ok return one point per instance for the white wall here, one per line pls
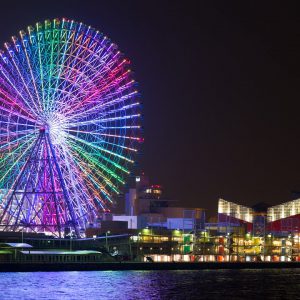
(132, 221)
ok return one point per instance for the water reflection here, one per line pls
(202, 284)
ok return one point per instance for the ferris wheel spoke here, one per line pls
(66, 94)
(120, 136)
(106, 85)
(16, 133)
(90, 53)
(106, 103)
(77, 180)
(80, 196)
(107, 135)
(9, 100)
(25, 46)
(75, 51)
(100, 148)
(95, 73)
(9, 143)
(12, 155)
(120, 146)
(123, 127)
(15, 162)
(98, 92)
(114, 163)
(97, 166)
(65, 46)
(25, 85)
(92, 63)
(15, 113)
(122, 108)
(102, 121)
(90, 177)
(16, 124)
(76, 84)
(40, 63)
(50, 72)
(28, 105)
(92, 168)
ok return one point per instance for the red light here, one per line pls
(155, 186)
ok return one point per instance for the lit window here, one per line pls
(156, 191)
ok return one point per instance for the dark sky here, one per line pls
(220, 87)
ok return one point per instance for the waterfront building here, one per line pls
(147, 205)
(155, 230)
(283, 219)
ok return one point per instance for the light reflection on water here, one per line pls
(202, 284)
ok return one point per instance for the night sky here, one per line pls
(220, 90)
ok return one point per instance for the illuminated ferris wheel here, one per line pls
(69, 127)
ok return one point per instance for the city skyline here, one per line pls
(149, 149)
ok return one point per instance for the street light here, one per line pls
(138, 245)
(71, 237)
(106, 242)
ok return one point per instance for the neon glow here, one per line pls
(69, 127)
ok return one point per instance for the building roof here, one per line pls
(15, 245)
(110, 236)
(45, 252)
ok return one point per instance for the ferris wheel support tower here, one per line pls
(20, 210)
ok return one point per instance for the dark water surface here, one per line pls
(198, 284)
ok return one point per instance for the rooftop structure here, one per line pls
(233, 212)
(284, 210)
(279, 218)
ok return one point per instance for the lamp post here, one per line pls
(106, 241)
(71, 242)
(229, 245)
(138, 245)
(269, 248)
(289, 247)
(296, 241)
(298, 246)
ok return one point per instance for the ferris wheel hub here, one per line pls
(44, 129)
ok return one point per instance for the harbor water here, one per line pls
(197, 284)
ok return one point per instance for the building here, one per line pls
(260, 219)
(231, 214)
(285, 217)
(147, 205)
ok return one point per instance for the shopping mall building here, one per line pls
(258, 233)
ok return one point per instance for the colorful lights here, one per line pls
(70, 81)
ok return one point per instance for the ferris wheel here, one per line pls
(69, 127)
